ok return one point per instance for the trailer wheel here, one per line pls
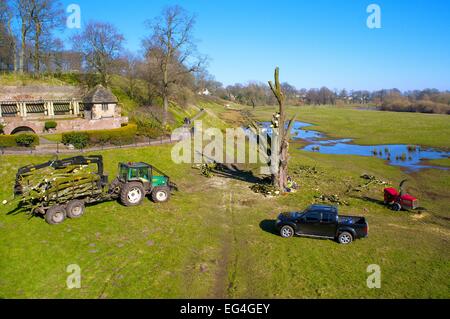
(160, 194)
(345, 238)
(132, 194)
(396, 207)
(75, 209)
(55, 215)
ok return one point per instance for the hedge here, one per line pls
(27, 140)
(7, 141)
(50, 125)
(120, 136)
(78, 139)
(24, 140)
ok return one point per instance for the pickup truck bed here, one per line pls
(351, 220)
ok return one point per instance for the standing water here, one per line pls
(411, 157)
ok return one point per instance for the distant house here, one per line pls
(204, 92)
(27, 108)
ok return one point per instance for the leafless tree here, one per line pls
(24, 12)
(101, 45)
(281, 136)
(46, 15)
(130, 69)
(7, 38)
(171, 51)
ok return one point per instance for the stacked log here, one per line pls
(50, 186)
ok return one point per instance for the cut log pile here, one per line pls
(49, 186)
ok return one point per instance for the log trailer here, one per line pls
(134, 182)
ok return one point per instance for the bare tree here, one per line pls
(281, 135)
(25, 12)
(171, 50)
(45, 16)
(131, 70)
(7, 39)
(101, 44)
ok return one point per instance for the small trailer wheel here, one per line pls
(55, 215)
(75, 209)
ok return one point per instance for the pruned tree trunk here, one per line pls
(281, 151)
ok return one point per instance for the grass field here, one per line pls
(215, 237)
(372, 127)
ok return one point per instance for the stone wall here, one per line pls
(65, 125)
(98, 112)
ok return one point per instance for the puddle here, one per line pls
(411, 157)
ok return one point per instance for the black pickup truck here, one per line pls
(322, 222)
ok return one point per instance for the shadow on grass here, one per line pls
(369, 199)
(234, 172)
(16, 211)
(20, 210)
(269, 226)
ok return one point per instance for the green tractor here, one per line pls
(137, 180)
(62, 188)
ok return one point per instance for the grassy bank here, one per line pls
(372, 127)
(214, 239)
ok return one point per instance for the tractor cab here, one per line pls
(142, 172)
(137, 180)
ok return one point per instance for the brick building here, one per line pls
(27, 108)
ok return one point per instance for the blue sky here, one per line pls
(315, 43)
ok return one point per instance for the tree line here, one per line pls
(170, 67)
(258, 94)
(170, 62)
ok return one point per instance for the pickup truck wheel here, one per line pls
(132, 194)
(55, 215)
(75, 209)
(287, 232)
(345, 238)
(396, 207)
(161, 194)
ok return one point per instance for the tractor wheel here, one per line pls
(160, 194)
(55, 215)
(132, 194)
(396, 207)
(75, 209)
